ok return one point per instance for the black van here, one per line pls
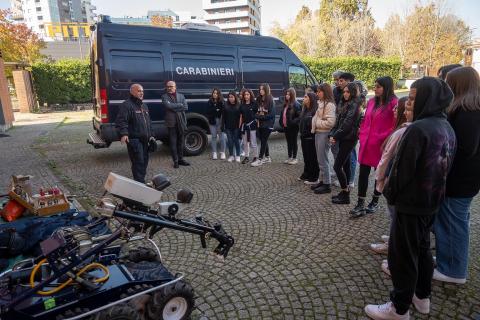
(197, 61)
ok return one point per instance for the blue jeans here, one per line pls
(216, 130)
(232, 140)
(353, 166)
(451, 229)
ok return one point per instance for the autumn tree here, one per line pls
(17, 41)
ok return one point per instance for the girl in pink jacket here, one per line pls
(377, 125)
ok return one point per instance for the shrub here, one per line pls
(366, 69)
(62, 82)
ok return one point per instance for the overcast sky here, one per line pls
(282, 11)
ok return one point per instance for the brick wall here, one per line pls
(24, 89)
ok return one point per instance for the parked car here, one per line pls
(196, 60)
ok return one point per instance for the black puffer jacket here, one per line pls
(293, 113)
(133, 119)
(214, 110)
(346, 127)
(305, 123)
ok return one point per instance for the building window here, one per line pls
(41, 26)
(40, 17)
(39, 9)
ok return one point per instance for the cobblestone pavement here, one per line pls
(296, 256)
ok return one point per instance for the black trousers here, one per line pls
(138, 153)
(311, 169)
(291, 134)
(177, 141)
(363, 182)
(410, 259)
(342, 165)
(264, 133)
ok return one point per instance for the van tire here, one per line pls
(196, 141)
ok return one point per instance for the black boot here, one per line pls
(245, 160)
(342, 198)
(324, 188)
(373, 205)
(359, 209)
(315, 186)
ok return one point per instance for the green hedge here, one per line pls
(62, 82)
(366, 69)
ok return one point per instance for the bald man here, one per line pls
(135, 128)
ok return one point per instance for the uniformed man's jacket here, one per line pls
(133, 119)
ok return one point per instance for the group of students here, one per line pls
(241, 118)
(424, 150)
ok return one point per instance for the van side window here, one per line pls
(297, 79)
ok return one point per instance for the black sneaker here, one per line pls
(175, 165)
(183, 163)
(324, 188)
(245, 160)
(315, 186)
(342, 198)
(302, 178)
(359, 209)
(372, 206)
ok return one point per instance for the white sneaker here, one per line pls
(222, 156)
(214, 156)
(385, 238)
(267, 160)
(351, 185)
(242, 154)
(336, 183)
(230, 159)
(311, 183)
(385, 312)
(422, 305)
(287, 161)
(437, 275)
(385, 268)
(294, 161)
(381, 248)
(237, 159)
(257, 163)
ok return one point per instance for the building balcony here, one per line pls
(227, 15)
(233, 25)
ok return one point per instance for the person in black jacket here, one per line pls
(248, 123)
(231, 123)
(307, 138)
(416, 189)
(135, 129)
(463, 183)
(266, 117)
(176, 122)
(289, 123)
(214, 113)
(345, 133)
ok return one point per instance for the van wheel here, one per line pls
(196, 141)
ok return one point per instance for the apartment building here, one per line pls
(234, 16)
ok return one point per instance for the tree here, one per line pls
(17, 41)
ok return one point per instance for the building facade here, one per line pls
(234, 16)
(54, 19)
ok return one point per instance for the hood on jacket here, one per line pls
(432, 99)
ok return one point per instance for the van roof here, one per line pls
(182, 35)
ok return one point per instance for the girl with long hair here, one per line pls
(322, 123)
(377, 125)
(463, 182)
(345, 134)
(248, 124)
(307, 138)
(266, 117)
(289, 123)
(215, 107)
(231, 122)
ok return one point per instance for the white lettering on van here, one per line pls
(222, 71)
(199, 71)
(191, 70)
(204, 71)
(179, 70)
(213, 71)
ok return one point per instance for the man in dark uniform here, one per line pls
(135, 128)
(176, 122)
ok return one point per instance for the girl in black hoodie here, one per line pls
(311, 169)
(266, 117)
(248, 109)
(215, 107)
(289, 123)
(345, 133)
